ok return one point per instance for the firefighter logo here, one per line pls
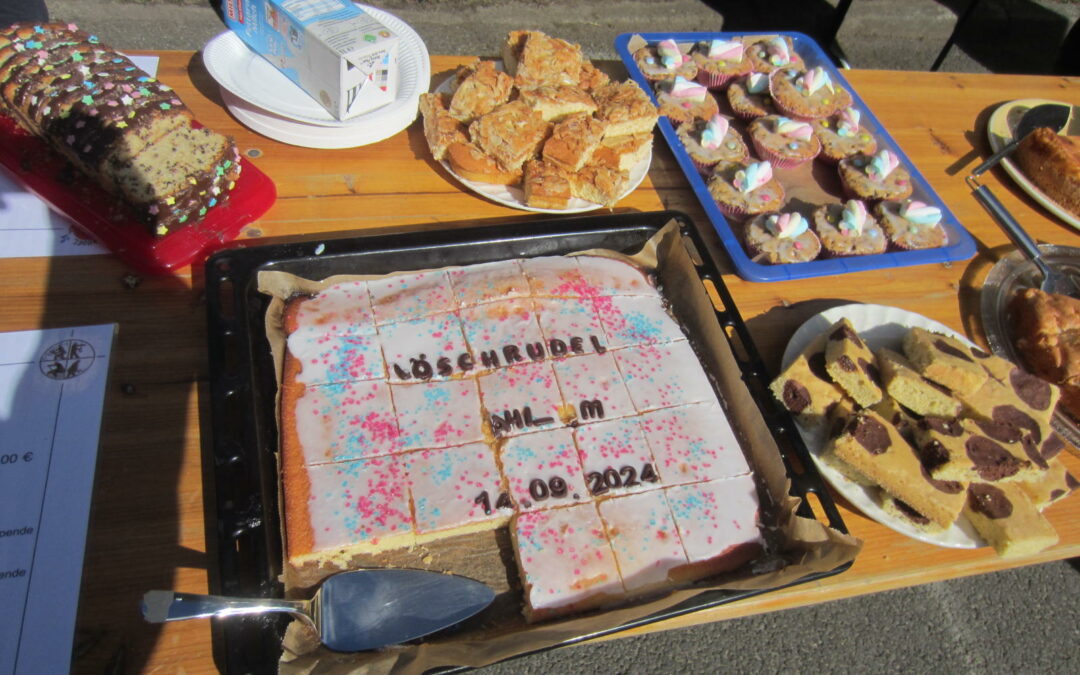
(67, 359)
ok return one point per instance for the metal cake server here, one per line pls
(1051, 115)
(351, 611)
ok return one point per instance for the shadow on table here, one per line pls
(134, 534)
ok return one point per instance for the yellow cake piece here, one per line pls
(904, 384)
(944, 359)
(1007, 519)
(851, 364)
(804, 387)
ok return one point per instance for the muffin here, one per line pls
(749, 96)
(745, 188)
(848, 229)
(877, 176)
(842, 136)
(664, 61)
(783, 142)
(768, 53)
(711, 141)
(682, 100)
(911, 224)
(780, 238)
(720, 61)
(807, 95)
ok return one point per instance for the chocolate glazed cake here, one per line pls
(115, 124)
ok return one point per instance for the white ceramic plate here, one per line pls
(879, 326)
(1000, 130)
(253, 79)
(514, 197)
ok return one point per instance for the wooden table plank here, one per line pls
(148, 527)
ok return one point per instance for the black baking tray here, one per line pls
(241, 465)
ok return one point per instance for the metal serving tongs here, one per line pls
(1050, 115)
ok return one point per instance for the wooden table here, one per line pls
(148, 526)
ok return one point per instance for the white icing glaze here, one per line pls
(437, 414)
(635, 320)
(410, 296)
(435, 341)
(593, 378)
(565, 557)
(534, 463)
(364, 502)
(644, 538)
(346, 421)
(715, 516)
(663, 375)
(445, 483)
(488, 281)
(507, 392)
(616, 450)
(693, 443)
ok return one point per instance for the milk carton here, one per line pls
(336, 52)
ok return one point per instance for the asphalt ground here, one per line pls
(1025, 620)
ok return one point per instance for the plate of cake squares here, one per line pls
(923, 431)
(542, 129)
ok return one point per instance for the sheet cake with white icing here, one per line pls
(554, 395)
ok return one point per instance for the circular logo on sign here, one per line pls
(67, 359)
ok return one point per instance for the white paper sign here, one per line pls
(52, 390)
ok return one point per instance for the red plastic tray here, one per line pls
(107, 220)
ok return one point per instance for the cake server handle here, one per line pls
(162, 606)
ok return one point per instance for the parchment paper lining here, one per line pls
(801, 546)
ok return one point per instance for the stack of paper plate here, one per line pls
(268, 102)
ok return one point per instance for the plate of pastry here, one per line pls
(1000, 129)
(478, 122)
(879, 327)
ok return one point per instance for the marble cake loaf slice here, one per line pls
(972, 451)
(851, 364)
(806, 389)
(114, 123)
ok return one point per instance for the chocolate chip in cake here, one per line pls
(989, 500)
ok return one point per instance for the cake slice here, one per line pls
(1006, 518)
(573, 141)
(471, 163)
(626, 108)
(851, 364)
(913, 391)
(645, 540)
(512, 134)
(806, 389)
(599, 184)
(943, 359)
(718, 523)
(481, 88)
(565, 561)
(546, 185)
(536, 59)
(441, 130)
(1023, 402)
(623, 152)
(1054, 484)
(557, 103)
(961, 450)
(877, 450)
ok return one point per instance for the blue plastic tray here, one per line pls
(960, 245)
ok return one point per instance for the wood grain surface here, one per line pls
(148, 525)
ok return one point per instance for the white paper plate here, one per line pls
(514, 197)
(253, 79)
(879, 326)
(1000, 130)
(313, 135)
